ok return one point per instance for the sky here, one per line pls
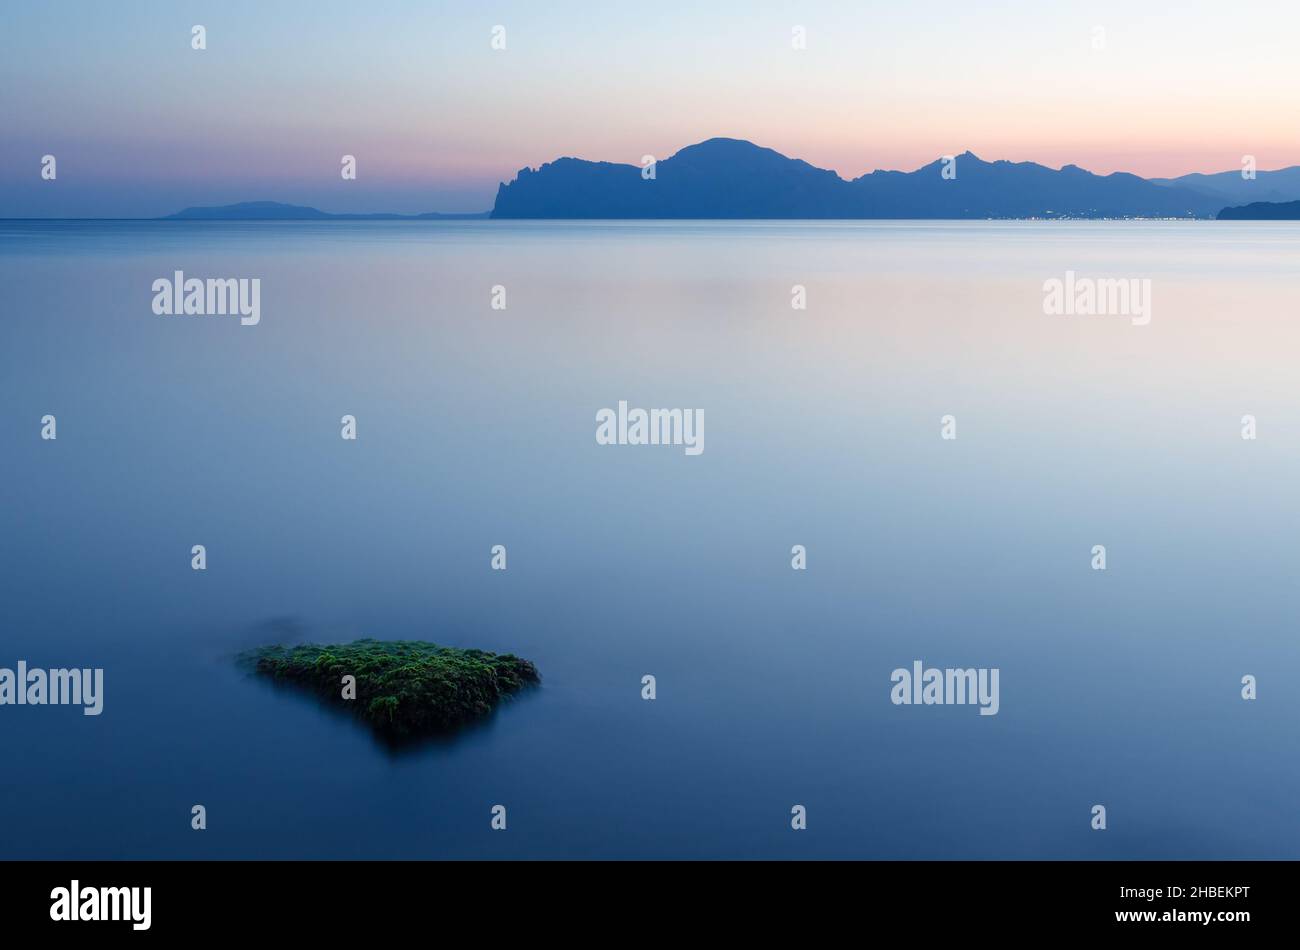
(141, 124)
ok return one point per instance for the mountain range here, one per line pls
(735, 179)
(732, 178)
(1280, 185)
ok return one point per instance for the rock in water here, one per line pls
(402, 687)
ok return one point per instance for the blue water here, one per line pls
(476, 427)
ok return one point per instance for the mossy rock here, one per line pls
(403, 687)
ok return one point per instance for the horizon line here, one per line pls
(533, 169)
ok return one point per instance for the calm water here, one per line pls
(476, 427)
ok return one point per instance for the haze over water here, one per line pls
(476, 427)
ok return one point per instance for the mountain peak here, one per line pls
(723, 141)
(725, 148)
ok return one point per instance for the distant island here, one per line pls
(275, 211)
(402, 688)
(1263, 211)
(724, 178)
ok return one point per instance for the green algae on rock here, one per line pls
(403, 687)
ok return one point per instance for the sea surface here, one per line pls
(476, 427)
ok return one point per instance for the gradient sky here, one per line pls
(143, 125)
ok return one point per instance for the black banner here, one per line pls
(1224, 900)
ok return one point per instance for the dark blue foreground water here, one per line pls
(476, 427)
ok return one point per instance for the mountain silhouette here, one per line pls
(1263, 211)
(1280, 185)
(733, 178)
